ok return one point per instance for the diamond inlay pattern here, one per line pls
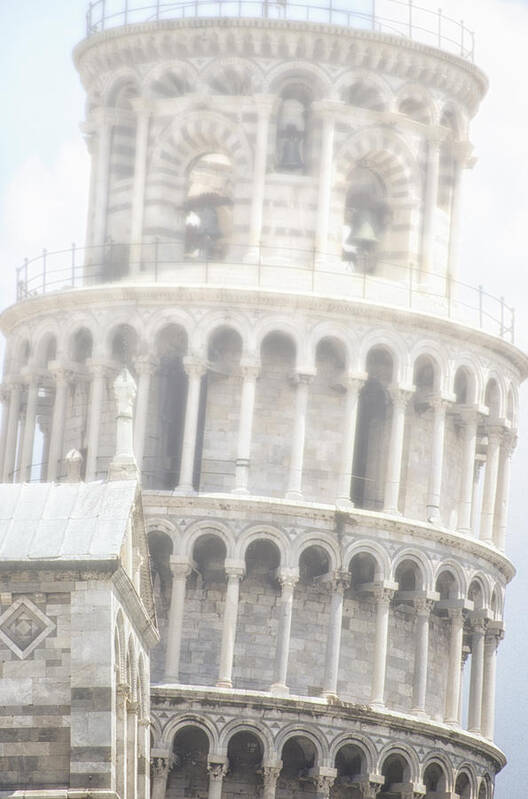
(23, 626)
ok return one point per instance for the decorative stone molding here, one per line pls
(23, 626)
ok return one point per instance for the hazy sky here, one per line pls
(44, 187)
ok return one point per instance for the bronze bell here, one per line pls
(291, 157)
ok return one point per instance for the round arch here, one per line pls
(363, 743)
(317, 539)
(408, 754)
(372, 548)
(420, 560)
(258, 729)
(264, 533)
(312, 734)
(207, 527)
(190, 720)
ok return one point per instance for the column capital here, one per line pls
(101, 368)
(327, 109)
(495, 431)
(264, 103)
(354, 381)
(400, 396)
(478, 624)
(5, 392)
(217, 769)
(423, 606)
(382, 595)
(145, 365)
(123, 690)
(467, 414)
(161, 764)
(456, 615)
(235, 568)
(440, 403)
(303, 376)
(270, 773)
(494, 634)
(339, 580)
(179, 566)
(62, 373)
(509, 441)
(288, 577)
(324, 780)
(194, 367)
(462, 153)
(249, 369)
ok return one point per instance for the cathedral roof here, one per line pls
(68, 521)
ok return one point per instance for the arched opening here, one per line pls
(293, 123)
(463, 786)
(217, 434)
(363, 95)
(415, 108)
(495, 605)
(271, 440)
(309, 630)
(425, 381)
(167, 406)
(462, 386)
(510, 408)
(120, 721)
(396, 772)
(364, 571)
(368, 471)
(82, 345)
(189, 776)
(208, 207)
(409, 577)
(204, 612)
(258, 617)
(447, 586)
(434, 780)
(298, 757)
(492, 399)
(244, 753)
(160, 549)
(123, 346)
(351, 768)
(170, 84)
(366, 220)
(325, 421)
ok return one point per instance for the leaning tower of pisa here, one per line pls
(325, 414)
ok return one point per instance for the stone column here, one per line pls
(469, 446)
(195, 371)
(400, 399)
(303, 380)
(235, 570)
(5, 394)
(333, 642)
(487, 513)
(325, 180)
(132, 742)
(249, 373)
(475, 507)
(488, 691)
(430, 205)
(264, 105)
(143, 763)
(161, 765)
(123, 465)
(270, 775)
(138, 196)
(217, 772)
(453, 687)
(421, 656)
(145, 369)
(508, 444)
(95, 412)
(122, 694)
(180, 568)
(383, 598)
(465, 655)
(437, 460)
(104, 140)
(354, 385)
(462, 160)
(26, 461)
(63, 378)
(288, 579)
(477, 675)
(12, 433)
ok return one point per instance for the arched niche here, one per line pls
(81, 345)
(203, 612)
(271, 437)
(368, 470)
(409, 576)
(293, 128)
(434, 780)
(168, 402)
(426, 381)
(396, 772)
(258, 616)
(463, 786)
(351, 769)
(124, 346)
(325, 420)
(366, 219)
(362, 94)
(217, 433)
(244, 753)
(363, 571)
(463, 388)
(492, 399)
(189, 774)
(298, 757)
(314, 562)
(208, 207)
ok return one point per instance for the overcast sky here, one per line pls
(44, 188)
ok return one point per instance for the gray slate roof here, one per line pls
(69, 521)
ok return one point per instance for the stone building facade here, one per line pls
(325, 416)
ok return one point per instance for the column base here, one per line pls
(392, 511)
(379, 706)
(224, 684)
(184, 491)
(240, 492)
(452, 723)
(419, 713)
(279, 689)
(296, 495)
(330, 696)
(344, 504)
(432, 514)
(473, 731)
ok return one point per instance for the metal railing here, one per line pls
(395, 17)
(279, 269)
